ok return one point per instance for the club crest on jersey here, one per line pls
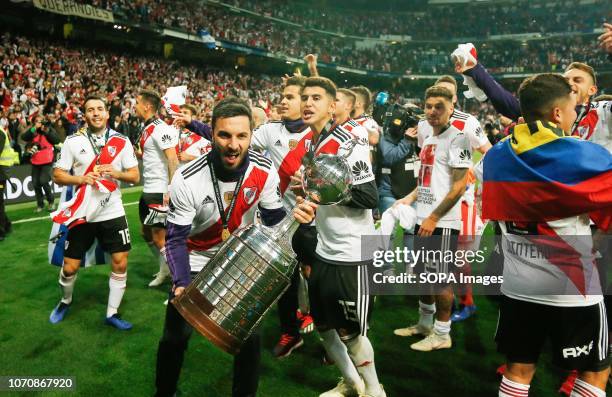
(227, 197)
(249, 194)
(307, 144)
(112, 150)
(292, 144)
(67, 213)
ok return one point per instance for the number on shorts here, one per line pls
(125, 236)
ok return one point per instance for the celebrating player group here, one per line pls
(546, 184)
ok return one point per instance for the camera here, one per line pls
(31, 149)
(395, 119)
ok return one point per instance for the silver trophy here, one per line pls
(253, 268)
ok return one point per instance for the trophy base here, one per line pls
(194, 308)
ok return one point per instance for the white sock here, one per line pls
(163, 265)
(337, 351)
(361, 352)
(442, 327)
(116, 284)
(426, 314)
(153, 248)
(67, 286)
(583, 389)
(508, 388)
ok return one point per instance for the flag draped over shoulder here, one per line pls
(57, 241)
(538, 174)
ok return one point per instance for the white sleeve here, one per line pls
(165, 137)
(359, 162)
(479, 170)
(128, 159)
(475, 134)
(261, 138)
(270, 197)
(421, 134)
(65, 160)
(182, 207)
(460, 152)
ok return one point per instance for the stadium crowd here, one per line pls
(504, 17)
(501, 56)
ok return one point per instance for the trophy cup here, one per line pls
(253, 268)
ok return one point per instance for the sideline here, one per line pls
(47, 217)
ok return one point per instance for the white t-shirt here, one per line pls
(77, 154)
(156, 137)
(439, 155)
(276, 139)
(340, 227)
(464, 122)
(193, 202)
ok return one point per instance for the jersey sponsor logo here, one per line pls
(278, 191)
(171, 206)
(227, 197)
(207, 200)
(427, 155)
(292, 144)
(249, 194)
(360, 170)
(577, 351)
(166, 138)
(465, 155)
(82, 151)
(478, 132)
(278, 143)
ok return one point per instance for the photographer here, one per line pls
(41, 138)
(396, 155)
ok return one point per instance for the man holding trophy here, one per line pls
(338, 279)
(210, 198)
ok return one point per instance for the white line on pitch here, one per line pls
(47, 217)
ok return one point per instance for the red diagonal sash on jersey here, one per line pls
(73, 210)
(211, 236)
(292, 162)
(186, 143)
(146, 134)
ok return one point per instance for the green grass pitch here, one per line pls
(108, 362)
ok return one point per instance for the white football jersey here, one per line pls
(439, 155)
(193, 202)
(340, 227)
(278, 141)
(77, 154)
(368, 123)
(192, 144)
(557, 271)
(156, 137)
(596, 126)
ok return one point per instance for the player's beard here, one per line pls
(230, 159)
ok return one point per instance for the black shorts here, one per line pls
(113, 235)
(304, 243)
(578, 335)
(441, 241)
(339, 297)
(146, 209)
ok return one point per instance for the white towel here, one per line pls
(466, 55)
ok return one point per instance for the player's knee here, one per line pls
(347, 335)
(521, 373)
(71, 267)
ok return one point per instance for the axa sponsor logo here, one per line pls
(577, 351)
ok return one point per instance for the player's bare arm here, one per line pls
(459, 180)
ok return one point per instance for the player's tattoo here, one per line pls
(458, 176)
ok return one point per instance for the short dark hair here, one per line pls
(151, 97)
(539, 93)
(231, 107)
(352, 96)
(192, 108)
(447, 78)
(94, 97)
(585, 68)
(438, 91)
(295, 80)
(322, 82)
(364, 94)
